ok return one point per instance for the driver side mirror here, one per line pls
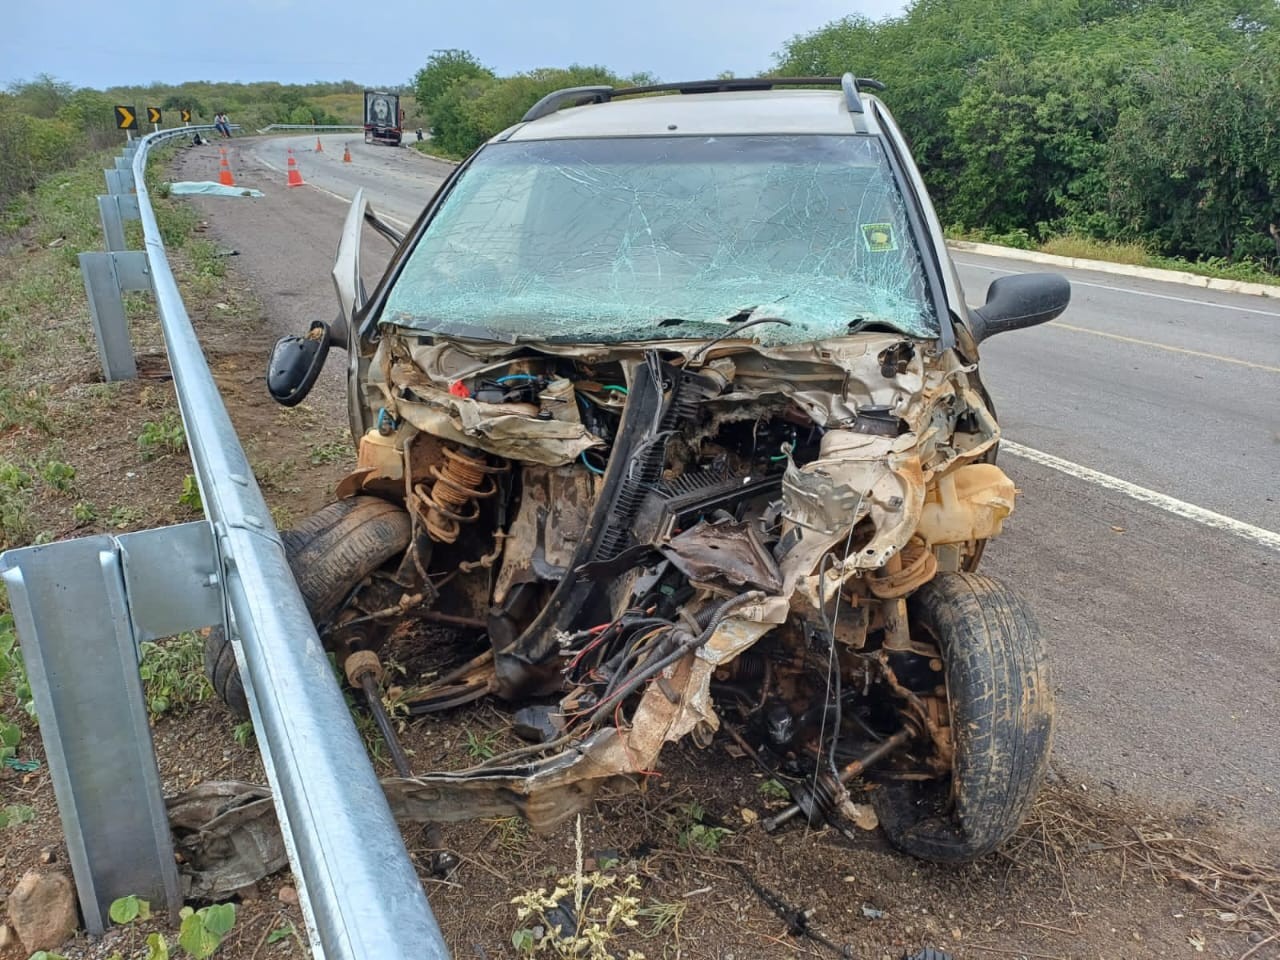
(1021, 300)
(296, 363)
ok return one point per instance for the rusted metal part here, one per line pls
(488, 560)
(469, 682)
(360, 664)
(364, 672)
(464, 480)
(930, 718)
(474, 623)
(897, 633)
(850, 770)
(904, 572)
(724, 552)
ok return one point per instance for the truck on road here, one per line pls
(383, 118)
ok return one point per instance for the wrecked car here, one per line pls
(668, 408)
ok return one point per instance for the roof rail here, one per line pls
(559, 98)
(576, 96)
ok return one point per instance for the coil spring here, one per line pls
(918, 567)
(461, 482)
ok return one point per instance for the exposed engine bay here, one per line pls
(649, 542)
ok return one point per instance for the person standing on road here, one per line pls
(222, 124)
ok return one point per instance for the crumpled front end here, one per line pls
(643, 539)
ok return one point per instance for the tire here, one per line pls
(330, 553)
(1001, 704)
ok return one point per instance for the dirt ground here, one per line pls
(1093, 874)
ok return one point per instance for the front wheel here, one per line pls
(1001, 707)
(330, 553)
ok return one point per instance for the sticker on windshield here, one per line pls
(878, 237)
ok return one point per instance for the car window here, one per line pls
(606, 239)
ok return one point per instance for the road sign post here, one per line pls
(186, 118)
(153, 117)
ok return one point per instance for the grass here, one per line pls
(773, 790)
(15, 505)
(1135, 254)
(431, 148)
(58, 475)
(190, 496)
(173, 677)
(332, 451)
(1087, 248)
(482, 746)
(695, 834)
(161, 437)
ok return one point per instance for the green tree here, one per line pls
(1153, 120)
(40, 97)
(443, 69)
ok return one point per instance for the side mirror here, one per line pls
(1022, 300)
(296, 363)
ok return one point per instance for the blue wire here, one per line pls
(586, 463)
(517, 376)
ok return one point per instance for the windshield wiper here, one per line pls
(733, 331)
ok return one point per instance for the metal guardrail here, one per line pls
(311, 126)
(82, 606)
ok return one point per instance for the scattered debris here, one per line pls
(227, 836)
(871, 913)
(287, 895)
(796, 918)
(210, 189)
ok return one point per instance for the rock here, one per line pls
(7, 937)
(49, 855)
(287, 895)
(42, 909)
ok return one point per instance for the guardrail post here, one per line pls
(115, 209)
(81, 608)
(119, 181)
(106, 277)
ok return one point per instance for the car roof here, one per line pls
(726, 113)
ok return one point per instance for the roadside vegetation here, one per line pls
(1154, 125)
(1079, 125)
(79, 456)
(48, 125)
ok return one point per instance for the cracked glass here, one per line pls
(651, 238)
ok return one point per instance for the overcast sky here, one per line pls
(102, 44)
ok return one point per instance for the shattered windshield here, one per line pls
(651, 238)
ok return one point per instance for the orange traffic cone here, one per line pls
(319, 146)
(346, 153)
(224, 172)
(295, 176)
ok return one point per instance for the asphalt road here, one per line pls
(398, 181)
(1147, 540)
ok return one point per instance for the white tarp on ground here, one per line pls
(209, 188)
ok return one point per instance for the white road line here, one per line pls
(1136, 293)
(1163, 346)
(1180, 508)
(396, 221)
